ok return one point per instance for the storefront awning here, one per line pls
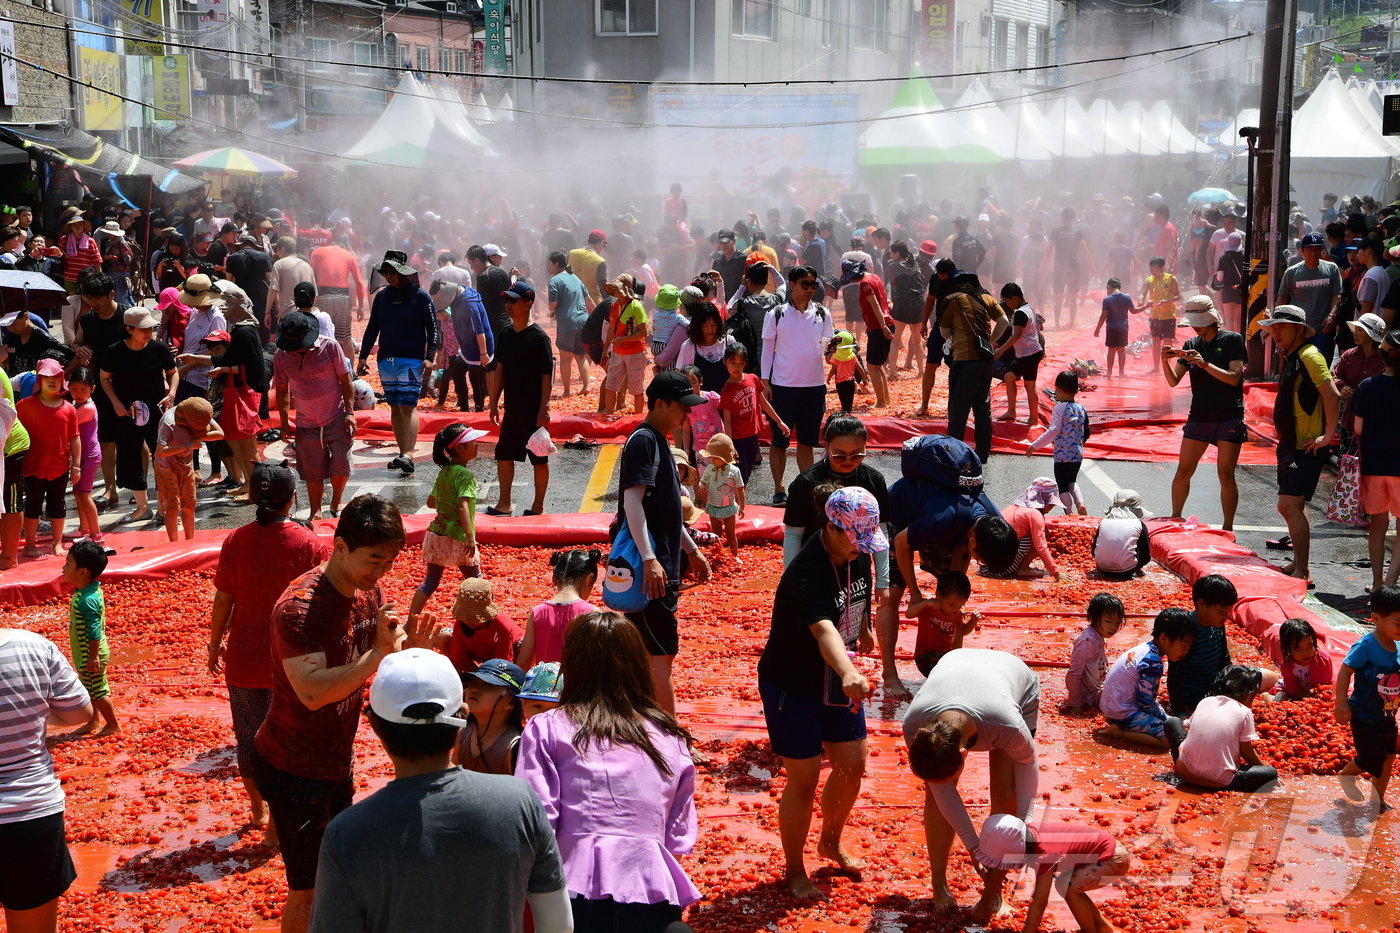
(95, 157)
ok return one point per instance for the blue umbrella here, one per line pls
(1210, 196)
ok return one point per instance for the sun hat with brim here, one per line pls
(543, 682)
(668, 298)
(297, 331)
(855, 511)
(216, 336)
(929, 248)
(111, 228)
(1002, 842)
(414, 677)
(1200, 311)
(444, 293)
(690, 512)
(198, 291)
(722, 447)
(1127, 504)
(501, 673)
(1041, 492)
(170, 298)
(467, 436)
(138, 317)
(1372, 324)
(396, 260)
(474, 602)
(48, 367)
(1288, 314)
(195, 413)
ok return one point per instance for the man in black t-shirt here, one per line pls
(728, 263)
(491, 282)
(649, 496)
(1067, 255)
(249, 267)
(1215, 360)
(525, 374)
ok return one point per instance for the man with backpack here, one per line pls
(793, 370)
(972, 322)
(749, 309)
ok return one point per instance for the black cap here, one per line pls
(673, 386)
(726, 235)
(297, 331)
(228, 228)
(304, 295)
(272, 483)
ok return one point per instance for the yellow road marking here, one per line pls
(600, 480)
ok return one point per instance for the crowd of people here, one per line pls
(580, 702)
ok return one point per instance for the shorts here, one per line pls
(933, 344)
(301, 808)
(798, 726)
(1065, 280)
(248, 707)
(1380, 494)
(658, 625)
(1144, 722)
(1027, 367)
(45, 497)
(402, 379)
(13, 489)
(802, 409)
(94, 683)
(89, 475)
(35, 866)
(1093, 876)
(1374, 741)
(1298, 471)
(877, 347)
(1216, 432)
(1114, 339)
(628, 367)
(323, 452)
(570, 341)
(107, 427)
(1163, 328)
(514, 435)
(926, 661)
(174, 485)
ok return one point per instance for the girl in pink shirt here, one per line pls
(575, 573)
(1303, 663)
(1222, 735)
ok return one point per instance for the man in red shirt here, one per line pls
(340, 288)
(330, 630)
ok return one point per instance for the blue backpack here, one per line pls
(624, 577)
(943, 460)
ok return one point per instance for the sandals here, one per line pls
(495, 512)
(1284, 543)
(137, 518)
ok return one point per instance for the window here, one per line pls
(322, 51)
(1042, 47)
(753, 18)
(363, 54)
(999, 42)
(425, 58)
(804, 7)
(626, 17)
(1023, 44)
(871, 21)
(445, 59)
(959, 37)
(831, 23)
(461, 61)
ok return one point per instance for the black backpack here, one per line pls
(741, 329)
(591, 336)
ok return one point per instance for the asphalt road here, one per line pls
(586, 480)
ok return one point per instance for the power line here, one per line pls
(786, 82)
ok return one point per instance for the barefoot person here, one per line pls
(311, 371)
(974, 700)
(813, 696)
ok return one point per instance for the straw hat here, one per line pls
(474, 604)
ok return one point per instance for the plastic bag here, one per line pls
(1344, 505)
(540, 443)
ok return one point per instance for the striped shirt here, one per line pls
(34, 679)
(79, 252)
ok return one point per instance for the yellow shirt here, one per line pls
(1310, 425)
(768, 253)
(585, 263)
(1162, 291)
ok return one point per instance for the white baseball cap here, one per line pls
(412, 676)
(491, 249)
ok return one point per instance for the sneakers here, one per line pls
(402, 463)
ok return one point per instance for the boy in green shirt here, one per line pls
(87, 632)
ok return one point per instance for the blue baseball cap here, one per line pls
(521, 290)
(502, 673)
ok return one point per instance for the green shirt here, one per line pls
(18, 441)
(454, 483)
(87, 615)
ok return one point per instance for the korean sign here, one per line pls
(494, 12)
(101, 73)
(172, 86)
(938, 30)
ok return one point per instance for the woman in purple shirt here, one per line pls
(614, 772)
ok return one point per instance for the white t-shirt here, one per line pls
(794, 346)
(1211, 753)
(1115, 548)
(35, 678)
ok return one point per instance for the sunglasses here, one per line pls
(847, 458)
(806, 283)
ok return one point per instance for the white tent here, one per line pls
(505, 110)
(1141, 136)
(1178, 139)
(1027, 119)
(479, 111)
(977, 118)
(450, 109)
(414, 131)
(1230, 135)
(1335, 148)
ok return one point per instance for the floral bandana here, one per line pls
(855, 511)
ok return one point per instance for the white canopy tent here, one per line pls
(976, 116)
(417, 130)
(1335, 148)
